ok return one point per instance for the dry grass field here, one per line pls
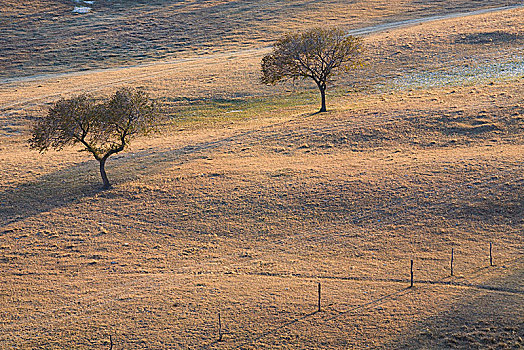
(247, 200)
(45, 36)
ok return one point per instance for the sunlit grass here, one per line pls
(185, 111)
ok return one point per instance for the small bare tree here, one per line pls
(317, 54)
(102, 127)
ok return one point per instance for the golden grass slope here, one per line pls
(245, 212)
(246, 221)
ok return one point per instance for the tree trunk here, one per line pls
(323, 98)
(107, 185)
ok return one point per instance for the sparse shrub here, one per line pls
(316, 54)
(103, 128)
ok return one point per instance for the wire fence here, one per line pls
(332, 312)
(323, 307)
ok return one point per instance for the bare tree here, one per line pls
(317, 54)
(103, 128)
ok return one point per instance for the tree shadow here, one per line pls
(57, 189)
(69, 185)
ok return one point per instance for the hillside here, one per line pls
(45, 36)
(247, 200)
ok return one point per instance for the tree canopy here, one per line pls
(316, 54)
(102, 127)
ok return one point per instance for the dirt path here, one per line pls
(412, 22)
(260, 50)
(145, 71)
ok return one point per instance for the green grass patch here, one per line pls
(184, 110)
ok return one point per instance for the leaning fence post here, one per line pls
(219, 327)
(411, 285)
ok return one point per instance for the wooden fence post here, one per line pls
(319, 291)
(451, 261)
(411, 285)
(490, 254)
(219, 327)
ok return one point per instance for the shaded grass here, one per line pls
(196, 225)
(471, 323)
(244, 212)
(110, 36)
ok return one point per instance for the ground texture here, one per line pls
(247, 200)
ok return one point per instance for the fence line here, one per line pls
(447, 280)
(381, 300)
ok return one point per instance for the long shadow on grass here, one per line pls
(54, 190)
(479, 320)
(68, 185)
(326, 315)
(509, 290)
